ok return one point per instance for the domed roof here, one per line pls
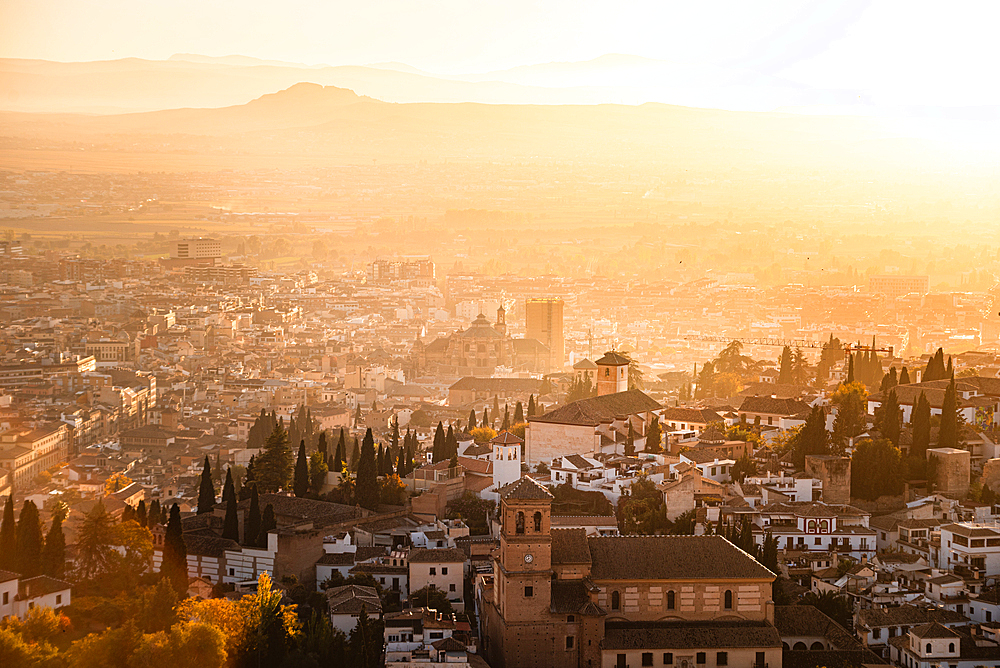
(481, 328)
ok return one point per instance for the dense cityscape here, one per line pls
(525, 353)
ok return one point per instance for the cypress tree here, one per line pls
(518, 413)
(453, 462)
(496, 407)
(301, 484)
(485, 422)
(654, 436)
(630, 441)
(128, 514)
(390, 466)
(54, 552)
(812, 440)
(29, 541)
(438, 453)
(175, 553)
(472, 419)
(140, 513)
(231, 527)
(8, 536)
(921, 421)
(268, 523)
(401, 463)
(154, 513)
(889, 417)
(850, 369)
(785, 372)
(394, 441)
(228, 488)
(355, 455)
(947, 437)
(531, 406)
(206, 493)
(904, 377)
(366, 488)
(505, 425)
(251, 521)
(379, 460)
(248, 478)
(338, 457)
(450, 443)
(950, 370)
(321, 447)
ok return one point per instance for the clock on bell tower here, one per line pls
(523, 565)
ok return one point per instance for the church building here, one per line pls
(558, 598)
(479, 350)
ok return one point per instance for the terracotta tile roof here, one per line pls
(671, 557)
(569, 546)
(614, 359)
(596, 410)
(689, 635)
(349, 599)
(773, 406)
(907, 615)
(444, 555)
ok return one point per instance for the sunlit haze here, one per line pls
(499, 334)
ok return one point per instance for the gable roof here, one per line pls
(671, 557)
(595, 410)
(773, 406)
(569, 546)
(440, 555)
(612, 358)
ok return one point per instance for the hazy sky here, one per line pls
(907, 53)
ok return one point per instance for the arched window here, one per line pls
(729, 599)
(817, 646)
(607, 372)
(951, 647)
(538, 522)
(928, 650)
(824, 526)
(671, 600)
(519, 523)
(811, 526)
(616, 601)
(799, 646)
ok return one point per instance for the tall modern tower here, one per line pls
(544, 322)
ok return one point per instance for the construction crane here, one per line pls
(791, 343)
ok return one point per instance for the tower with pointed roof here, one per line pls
(506, 459)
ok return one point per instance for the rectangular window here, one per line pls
(700, 658)
(437, 635)
(6, 597)
(760, 660)
(434, 571)
(647, 658)
(621, 661)
(451, 587)
(529, 592)
(569, 642)
(58, 599)
(668, 658)
(444, 570)
(722, 658)
(876, 633)
(816, 541)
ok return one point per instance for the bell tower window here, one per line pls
(538, 522)
(519, 523)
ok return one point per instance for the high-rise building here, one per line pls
(544, 322)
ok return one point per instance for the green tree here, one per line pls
(851, 402)
(268, 523)
(271, 627)
(785, 366)
(229, 487)
(838, 608)
(518, 413)
(54, 552)
(231, 525)
(174, 564)
(301, 479)
(654, 437)
(630, 441)
(365, 642)
(706, 381)
(904, 377)
(251, 521)
(812, 440)
(317, 472)
(743, 467)
(367, 490)
(8, 536)
(532, 409)
(769, 553)
(140, 513)
(440, 448)
(935, 369)
(921, 421)
(948, 434)
(433, 599)
(850, 370)
(338, 458)
(29, 541)
(355, 455)
(877, 469)
(888, 417)
(273, 467)
(206, 491)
